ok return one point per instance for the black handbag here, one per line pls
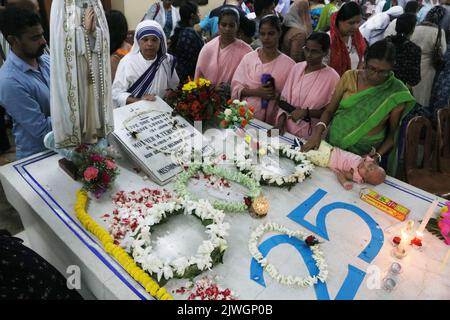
(438, 57)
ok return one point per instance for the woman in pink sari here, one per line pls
(308, 89)
(262, 73)
(220, 57)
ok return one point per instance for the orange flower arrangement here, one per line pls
(197, 100)
(237, 114)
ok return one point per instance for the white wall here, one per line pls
(134, 10)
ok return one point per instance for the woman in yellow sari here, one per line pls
(365, 112)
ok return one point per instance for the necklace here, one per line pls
(135, 135)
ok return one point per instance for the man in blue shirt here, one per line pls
(25, 80)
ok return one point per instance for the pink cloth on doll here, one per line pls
(341, 160)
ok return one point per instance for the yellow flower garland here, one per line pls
(117, 252)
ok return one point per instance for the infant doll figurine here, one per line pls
(348, 166)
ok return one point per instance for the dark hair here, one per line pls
(118, 29)
(15, 20)
(435, 15)
(347, 11)
(247, 26)
(229, 11)
(321, 38)
(412, 7)
(187, 9)
(405, 24)
(24, 4)
(271, 19)
(260, 5)
(381, 50)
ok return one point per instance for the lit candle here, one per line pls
(427, 216)
(400, 251)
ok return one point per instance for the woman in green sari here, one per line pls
(327, 11)
(367, 108)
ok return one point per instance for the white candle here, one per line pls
(403, 243)
(427, 216)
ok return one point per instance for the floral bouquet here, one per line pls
(96, 168)
(440, 227)
(237, 114)
(197, 100)
(444, 223)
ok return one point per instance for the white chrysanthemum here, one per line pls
(152, 263)
(205, 248)
(203, 262)
(180, 265)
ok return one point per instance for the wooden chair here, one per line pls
(443, 140)
(418, 161)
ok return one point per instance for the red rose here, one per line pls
(97, 158)
(196, 106)
(203, 96)
(242, 111)
(248, 201)
(311, 241)
(397, 240)
(182, 106)
(244, 123)
(105, 178)
(416, 242)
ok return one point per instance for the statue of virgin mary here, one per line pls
(80, 90)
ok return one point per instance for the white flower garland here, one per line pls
(303, 169)
(216, 229)
(227, 206)
(290, 280)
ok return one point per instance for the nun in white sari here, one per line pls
(146, 71)
(80, 90)
(373, 29)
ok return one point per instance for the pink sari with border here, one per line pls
(248, 76)
(218, 65)
(313, 90)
